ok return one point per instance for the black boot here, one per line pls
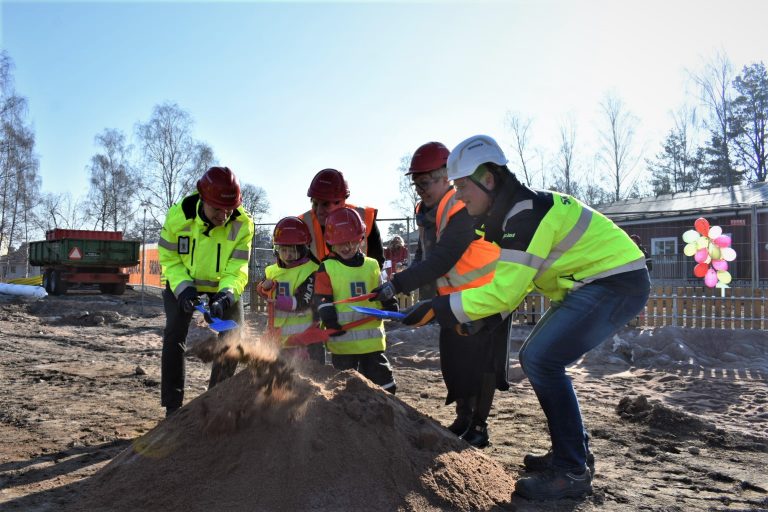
(477, 434)
(463, 416)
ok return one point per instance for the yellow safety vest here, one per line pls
(211, 259)
(286, 281)
(573, 245)
(350, 282)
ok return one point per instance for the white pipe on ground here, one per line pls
(23, 290)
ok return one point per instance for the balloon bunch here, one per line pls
(712, 252)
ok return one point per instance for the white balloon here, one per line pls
(728, 254)
(689, 249)
(714, 232)
(690, 236)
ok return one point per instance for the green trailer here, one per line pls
(70, 257)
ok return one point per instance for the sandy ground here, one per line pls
(678, 419)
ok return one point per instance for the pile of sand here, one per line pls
(275, 437)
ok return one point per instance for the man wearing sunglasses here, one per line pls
(451, 257)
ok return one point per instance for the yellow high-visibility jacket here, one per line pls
(286, 281)
(210, 258)
(550, 242)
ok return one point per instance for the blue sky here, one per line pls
(282, 90)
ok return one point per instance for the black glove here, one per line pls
(469, 328)
(419, 314)
(221, 302)
(390, 305)
(385, 292)
(187, 300)
(329, 316)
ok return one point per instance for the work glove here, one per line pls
(284, 303)
(329, 316)
(385, 292)
(221, 302)
(419, 314)
(390, 305)
(188, 299)
(469, 328)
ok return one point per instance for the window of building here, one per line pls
(666, 245)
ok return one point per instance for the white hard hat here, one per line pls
(472, 153)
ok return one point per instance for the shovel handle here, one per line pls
(359, 298)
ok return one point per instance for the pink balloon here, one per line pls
(719, 264)
(701, 255)
(723, 241)
(702, 226)
(711, 278)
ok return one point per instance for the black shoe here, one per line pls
(541, 462)
(169, 411)
(555, 484)
(477, 435)
(460, 425)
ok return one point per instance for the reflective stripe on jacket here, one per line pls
(286, 281)
(477, 264)
(317, 245)
(572, 245)
(350, 282)
(210, 258)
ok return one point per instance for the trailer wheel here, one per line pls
(58, 286)
(47, 281)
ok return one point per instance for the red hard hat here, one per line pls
(219, 188)
(429, 157)
(328, 185)
(291, 231)
(344, 225)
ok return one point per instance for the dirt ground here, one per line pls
(678, 419)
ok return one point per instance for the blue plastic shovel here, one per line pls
(217, 324)
(379, 313)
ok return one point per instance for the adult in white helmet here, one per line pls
(553, 244)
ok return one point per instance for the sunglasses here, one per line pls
(423, 185)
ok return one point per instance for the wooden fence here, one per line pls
(684, 306)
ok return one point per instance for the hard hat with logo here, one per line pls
(291, 231)
(328, 185)
(472, 153)
(428, 157)
(344, 225)
(219, 188)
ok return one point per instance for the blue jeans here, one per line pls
(584, 319)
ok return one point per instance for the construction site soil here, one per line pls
(678, 421)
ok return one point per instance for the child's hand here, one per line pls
(264, 288)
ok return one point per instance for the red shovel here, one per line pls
(314, 334)
(367, 296)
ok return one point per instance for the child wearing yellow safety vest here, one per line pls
(289, 283)
(343, 274)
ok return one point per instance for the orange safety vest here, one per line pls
(478, 263)
(318, 247)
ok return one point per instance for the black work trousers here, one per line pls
(173, 372)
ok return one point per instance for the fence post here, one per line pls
(674, 306)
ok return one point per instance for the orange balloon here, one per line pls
(700, 270)
(702, 226)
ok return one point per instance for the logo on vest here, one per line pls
(283, 289)
(357, 288)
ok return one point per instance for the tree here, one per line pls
(173, 159)
(617, 140)
(750, 113)
(408, 199)
(255, 201)
(520, 129)
(714, 82)
(113, 183)
(564, 182)
(677, 167)
(397, 228)
(59, 210)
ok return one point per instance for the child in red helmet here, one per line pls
(289, 283)
(346, 272)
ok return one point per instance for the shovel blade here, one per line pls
(220, 325)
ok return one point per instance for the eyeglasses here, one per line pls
(423, 185)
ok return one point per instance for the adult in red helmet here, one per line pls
(450, 257)
(204, 249)
(328, 192)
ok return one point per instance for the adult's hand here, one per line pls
(419, 314)
(385, 292)
(221, 302)
(187, 300)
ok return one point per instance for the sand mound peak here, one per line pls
(275, 437)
